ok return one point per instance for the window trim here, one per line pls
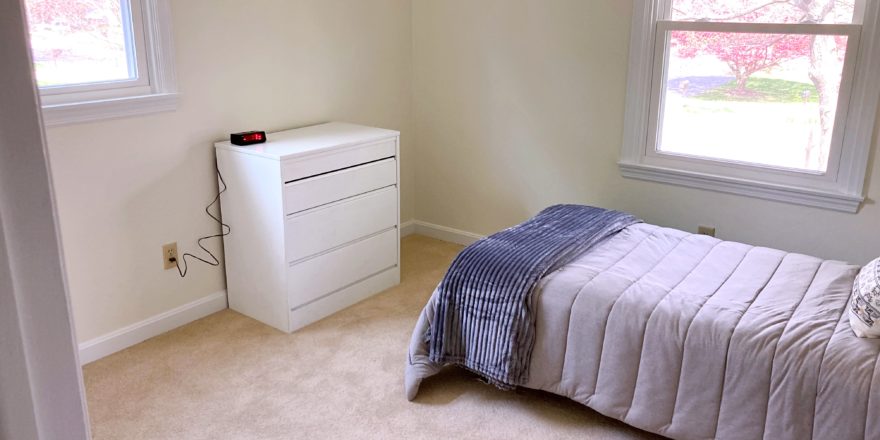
(842, 191)
(157, 94)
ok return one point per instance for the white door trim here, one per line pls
(42, 385)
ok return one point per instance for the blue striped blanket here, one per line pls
(484, 320)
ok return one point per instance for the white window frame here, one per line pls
(154, 88)
(840, 188)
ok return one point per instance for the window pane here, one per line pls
(767, 99)
(81, 42)
(764, 11)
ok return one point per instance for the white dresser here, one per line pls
(314, 214)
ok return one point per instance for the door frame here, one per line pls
(40, 378)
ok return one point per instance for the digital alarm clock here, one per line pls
(248, 138)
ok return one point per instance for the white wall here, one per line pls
(127, 186)
(519, 104)
(514, 105)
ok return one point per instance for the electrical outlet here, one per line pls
(169, 255)
(706, 230)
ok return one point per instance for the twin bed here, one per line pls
(691, 337)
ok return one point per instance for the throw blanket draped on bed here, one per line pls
(484, 318)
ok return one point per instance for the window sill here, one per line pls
(64, 114)
(753, 188)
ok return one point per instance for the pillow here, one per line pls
(864, 311)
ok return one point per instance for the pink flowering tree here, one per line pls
(744, 54)
(76, 16)
(100, 19)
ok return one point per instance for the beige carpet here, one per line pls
(230, 377)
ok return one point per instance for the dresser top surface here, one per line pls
(307, 140)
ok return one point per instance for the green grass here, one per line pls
(763, 90)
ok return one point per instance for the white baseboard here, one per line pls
(94, 349)
(439, 232)
(407, 228)
(138, 332)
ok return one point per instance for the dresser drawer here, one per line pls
(308, 193)
(332, 225)
(323, 275)
(301, 168)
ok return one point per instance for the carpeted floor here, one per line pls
(230, 377)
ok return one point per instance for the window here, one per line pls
(773, 99)
(96, 59)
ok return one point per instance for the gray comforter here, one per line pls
(691, 337)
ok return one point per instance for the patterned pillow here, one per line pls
(864, 311)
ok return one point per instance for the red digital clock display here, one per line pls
(248, 138)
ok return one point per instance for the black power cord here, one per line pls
(224, 231)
